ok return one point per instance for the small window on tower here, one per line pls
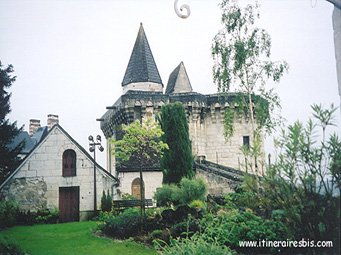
(138, 113)
(246, 141)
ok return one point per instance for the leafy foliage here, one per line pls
(42, 216)
(193, 245)
(9, 247)
(122, 226)
(8, 131)
(167, 195)
(241, 52)
(8, 213)
(141, 142)
(11, 215)
(187, 191)
(227, 228)
(304, 182)
(177, 162)
(195, 189)
(127, 196)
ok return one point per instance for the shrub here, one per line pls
(8, 213)
(46, 216)
(42, 216)
(167, 195)
(228, 228)
(188, 190)
(8, 247)
(123, 225)
(194, 189)
(197, 204)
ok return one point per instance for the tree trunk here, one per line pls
(142, 206)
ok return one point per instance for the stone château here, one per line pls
(142, 95)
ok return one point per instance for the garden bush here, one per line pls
(8, 213)
(197, 204)
(192, 189)
(187, 191)
(123, 225)
(9, 247)
(167, 195)
(42, 216)
(230, 227)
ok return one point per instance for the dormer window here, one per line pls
(69, 163)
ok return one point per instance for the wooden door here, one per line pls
(136, 188)
(68, 204)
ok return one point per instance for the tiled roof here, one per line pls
(141, 66)
(30, 141)
(178, 81)
(23, 136)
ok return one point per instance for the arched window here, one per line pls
(136, 188)
(69, 163)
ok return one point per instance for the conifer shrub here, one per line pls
(177, 161)
(192, 189)
(106, 202)
(167, 195)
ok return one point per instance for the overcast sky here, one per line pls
(70, 56)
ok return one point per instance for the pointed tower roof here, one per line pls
(178, 81)
(141, 66)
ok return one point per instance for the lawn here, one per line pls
(69, 238)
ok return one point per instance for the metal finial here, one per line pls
(179, 11)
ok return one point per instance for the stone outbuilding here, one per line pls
(58, 174)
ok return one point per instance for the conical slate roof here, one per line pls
(141, 66)
(178, 81)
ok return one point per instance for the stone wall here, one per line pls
(205, 116)
(216, 184)
(36, 182)
(220, 179)
(29, 193)
(208, 141)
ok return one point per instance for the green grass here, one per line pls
(70, 238)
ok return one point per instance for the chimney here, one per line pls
(34, 125)
(52, 120)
